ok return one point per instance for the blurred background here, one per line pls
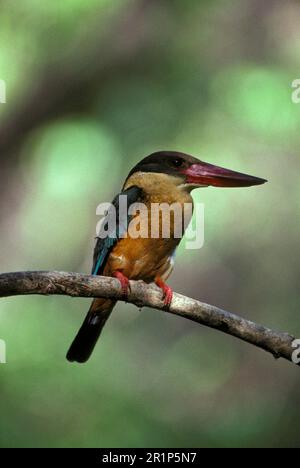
(92, 87)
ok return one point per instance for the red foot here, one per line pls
(124, 281)
(167, 292)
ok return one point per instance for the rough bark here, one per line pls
(78, 285)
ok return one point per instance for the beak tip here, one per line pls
(262, 181)
(253, 181)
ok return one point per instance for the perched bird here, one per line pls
(163, 177)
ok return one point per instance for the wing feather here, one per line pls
(104, 245)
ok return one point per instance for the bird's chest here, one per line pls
(141, 258)
(153, 234)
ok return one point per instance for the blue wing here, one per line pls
(113, 233)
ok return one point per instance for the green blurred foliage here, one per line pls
(216, 82)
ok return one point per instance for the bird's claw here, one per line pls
(124, 282)
(167, 292)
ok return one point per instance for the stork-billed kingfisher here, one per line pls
(163, 177)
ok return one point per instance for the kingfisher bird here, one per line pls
(163, 177)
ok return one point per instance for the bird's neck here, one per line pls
(160, 188)
(166, 193)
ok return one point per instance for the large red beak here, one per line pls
(208, 174)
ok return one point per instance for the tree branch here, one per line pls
(78, 285)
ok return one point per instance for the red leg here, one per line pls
(167, 292)
(124, 281)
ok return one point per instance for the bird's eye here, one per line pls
(177, 162)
